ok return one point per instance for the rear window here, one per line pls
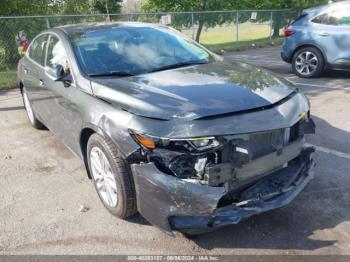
(300, 17)
(339, 17)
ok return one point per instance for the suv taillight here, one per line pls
(288, 32)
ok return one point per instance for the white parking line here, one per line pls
(330, 151)
(315, 85)
(321, 86)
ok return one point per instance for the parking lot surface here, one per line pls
(43, 186)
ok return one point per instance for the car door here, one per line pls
(342, 36)
(333, 35)
(61, 103)
(33, 73)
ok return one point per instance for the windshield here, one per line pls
(131, 50)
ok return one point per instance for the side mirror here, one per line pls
(59, 74)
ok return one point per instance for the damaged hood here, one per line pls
(194, 92)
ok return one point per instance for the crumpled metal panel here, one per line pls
(282, 116)
(160, 195)
(192, 207)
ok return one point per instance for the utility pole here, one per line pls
(107, 7)
(108, 19)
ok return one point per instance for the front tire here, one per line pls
(30, 112)
(111, 177)
(308, 62)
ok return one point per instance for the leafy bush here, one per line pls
(8, 79)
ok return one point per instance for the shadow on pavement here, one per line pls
(13, 108)
(330, 137)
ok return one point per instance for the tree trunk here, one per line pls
(276, 32)
(199, 30)
(278, 22)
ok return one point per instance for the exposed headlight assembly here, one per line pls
(184, 158)
(204, 143)
(198, 144)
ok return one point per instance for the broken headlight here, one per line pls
(184, 158)
(188, 144)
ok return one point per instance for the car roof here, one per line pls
(318, 9)
(72, 29)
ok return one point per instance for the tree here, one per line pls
(132, 6)
(9, 28)
(280, 18)
(193, 6)
(47, 7)
(25, 7)
(211, 20)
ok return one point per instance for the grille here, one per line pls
(263, 143)
(294, 132)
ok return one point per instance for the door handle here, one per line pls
(41, 83)
(25, 70)
(323, 34)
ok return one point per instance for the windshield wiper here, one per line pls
(181, 64)
(111, 73)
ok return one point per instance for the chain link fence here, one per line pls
(215, 29)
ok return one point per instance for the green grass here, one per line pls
(224, 38)
(243, 45)
(8, 79)
(229, 34)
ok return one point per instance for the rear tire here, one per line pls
(111, 176)
(308, 62)
(30, 112)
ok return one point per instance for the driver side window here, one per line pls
(56, 55)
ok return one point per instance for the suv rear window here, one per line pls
(339, 17)
(301, 16)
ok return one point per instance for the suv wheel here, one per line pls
(30, 112)
(111, 177)
(308, 62)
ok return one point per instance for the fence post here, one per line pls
(237, 26)
(192, 17)
(47, 22)
(271, 24)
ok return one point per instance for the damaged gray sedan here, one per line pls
(189, 139)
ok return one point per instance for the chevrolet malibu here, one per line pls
(190, 140)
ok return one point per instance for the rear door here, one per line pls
(342, 36)
(34, 73)
(333, 33)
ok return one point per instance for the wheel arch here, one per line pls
(87, 131)
(85, 135)
(314, 46)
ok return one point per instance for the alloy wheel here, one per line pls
(306, 63)
(103, 176)
(28, 107)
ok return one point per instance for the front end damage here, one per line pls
(196, 191)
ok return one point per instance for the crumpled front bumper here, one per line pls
(174, 204)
